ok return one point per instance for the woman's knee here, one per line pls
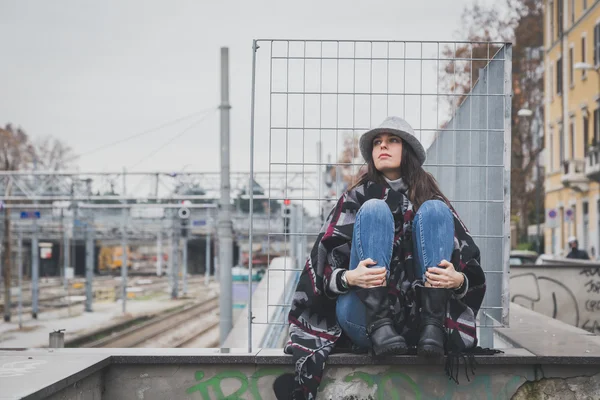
(435, 209)
(375, 207)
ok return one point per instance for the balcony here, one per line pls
(574, 176)
(592, 164)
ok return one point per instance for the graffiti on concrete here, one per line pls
(546, 295)
(590, 272)
(247, 385)
(592, 305)
(593, 286)
(569, 294)
(390, 384)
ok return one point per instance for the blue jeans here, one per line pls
(373, 237)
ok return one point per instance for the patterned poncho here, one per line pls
(313, 326)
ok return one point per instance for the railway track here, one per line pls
(176, 329)
(55, 300)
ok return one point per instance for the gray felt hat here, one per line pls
(395, 126)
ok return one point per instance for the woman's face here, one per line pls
(387, 155)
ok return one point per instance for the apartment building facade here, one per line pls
(572, 122)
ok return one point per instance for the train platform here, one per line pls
(76, 322)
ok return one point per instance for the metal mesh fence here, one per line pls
(311, 101)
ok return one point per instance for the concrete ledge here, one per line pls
(511, 356)
(185, 356)
(41, 373)
(548, 337)
(565, 353)
(37, 374)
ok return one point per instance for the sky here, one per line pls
(95, 72)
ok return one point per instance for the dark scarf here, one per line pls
(314, 330)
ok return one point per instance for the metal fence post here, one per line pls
(89, 267)
(207, 259)
(175, 265)
(20, 266)
(184, 257)
(35, 271)
(507, 169)
(159, 256)
(66, 254)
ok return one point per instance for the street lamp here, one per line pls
(585, 66)
(526, 113)
(582, 66)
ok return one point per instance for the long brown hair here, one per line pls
(422, 186)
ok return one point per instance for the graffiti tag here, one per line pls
(592, 286)
(390, 384)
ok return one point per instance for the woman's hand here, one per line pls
(446, 277)
(366, 277)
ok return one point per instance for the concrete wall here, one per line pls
(154, 382)
(89, 388)
(568, 293)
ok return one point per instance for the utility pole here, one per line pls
(225, 229)
(89, 265)
(207, 255)
(7, 265)
(175, 258)
(66, 250)
(35, 270)
(184, 256)
(159, 256)
(20, 266)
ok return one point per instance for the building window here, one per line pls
(561, 145)
(597, 44)
(571, 71)
(572, 139)
(596, 127)
(583, 58)
(551, 17)
(584, 5)
(559, 16)
(559, 80)
(572, 11)
(551, 81)
(586, 135)
(551, 151)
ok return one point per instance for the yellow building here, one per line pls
(572, 121)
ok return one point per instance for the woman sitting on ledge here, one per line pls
(392, 268)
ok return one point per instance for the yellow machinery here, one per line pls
(111, 258)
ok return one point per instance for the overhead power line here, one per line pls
(173, 138)
(151, 130)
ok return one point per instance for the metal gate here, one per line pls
(311, 101)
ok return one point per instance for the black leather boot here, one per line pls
(433, 315)
(380, 327)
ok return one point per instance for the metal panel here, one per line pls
(311, 95)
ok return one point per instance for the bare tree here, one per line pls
(349, 155)
(16, 152)
(52, 154)
(522, 24)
